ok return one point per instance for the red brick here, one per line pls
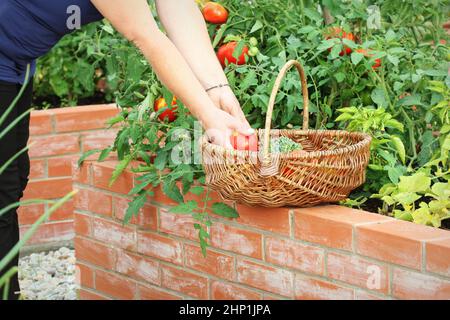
(29, 214)
(438, 256)
(37, 168)
(418, 286)
(89, 295)
(152, 293)
(58, 145)
(217, 264)
(98, 139)
(331, 225)
(40, 122)
(227, 291)
(185, 282)
(81, 174)
(237, 240)
(267, 278)
(138, 267)
(83, 224)
(357, 271)
(396, 241)
(114, 286)
(114, 234)
(160, 247)
(61, 166)
(102, 173)
(95, 253)
(83, 117)
(48, 189)
(267, 219)
(63, 213)
(161, 198)
(294, 255)
(147, 217)
(314, 289)
(51, 232)
(84, 275)
(94, 201)
(178, 224)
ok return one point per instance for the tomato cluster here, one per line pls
(215, 13)
(338, 33)
(170, 113)
(366, 53)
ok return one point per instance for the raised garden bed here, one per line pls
(59, 137)
(325, 252)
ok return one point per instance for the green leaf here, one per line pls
(161, 160)
(406, 198)
(172, 191)
(224, 210)
(379, 97)
(121, 166)
(197, 190)
(400, 147)
(418, 182)
(134, 207)
(339, 77)
(184, 208)
(104, 154)
(238, 50)
(86, 155)
(258, 25)
(356, 57)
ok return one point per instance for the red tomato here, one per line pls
(225, 52)
(377, 63)
(215, 13)
(244, 143)
(170, 113)
(336, 32)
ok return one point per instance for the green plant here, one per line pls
(404, 199)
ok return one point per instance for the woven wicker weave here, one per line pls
(331, 164)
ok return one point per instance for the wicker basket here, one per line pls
(331, 164)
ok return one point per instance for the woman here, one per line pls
(184, 61)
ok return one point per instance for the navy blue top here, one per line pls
(30, 28)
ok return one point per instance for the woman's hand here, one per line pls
(219, 126)
(224, 99)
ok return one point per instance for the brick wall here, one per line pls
(326, 252)
(58, 137)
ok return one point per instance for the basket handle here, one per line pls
(273, 95)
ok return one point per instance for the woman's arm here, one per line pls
(186, 27)
(134, 20)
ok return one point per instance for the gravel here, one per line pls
(48, 275)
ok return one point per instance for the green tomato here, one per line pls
(253, 51)
(253, 42)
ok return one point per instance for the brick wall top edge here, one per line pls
(76, 109)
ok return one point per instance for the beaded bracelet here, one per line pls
(218, 86)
